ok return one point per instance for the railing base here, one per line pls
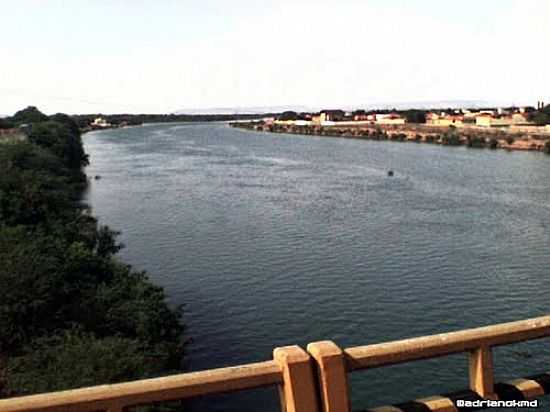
(526, 389)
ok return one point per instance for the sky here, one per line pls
(137, 56)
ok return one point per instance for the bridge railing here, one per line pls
(309, 381)
(291, 370)
(334, 363)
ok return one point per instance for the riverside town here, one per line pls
(511, 128)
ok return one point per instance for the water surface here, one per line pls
(272, 240)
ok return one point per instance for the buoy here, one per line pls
(97, 177)
(390, 173)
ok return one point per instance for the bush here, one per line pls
(542, 118)
(6, 124)
(61, 140)
(70, 313)
(73, 359)
(29, 115)
(451, 139)
(415, 116)
(34, 185)
(476, 142)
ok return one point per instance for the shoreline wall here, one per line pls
(470, 136)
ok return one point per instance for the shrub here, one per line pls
(475, 142)
(451, 139)
(70, 313)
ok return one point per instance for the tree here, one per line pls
(68, 122)
(288, 115)
(73, 359)
(71, 314)
(61, 140)
(542, 118)
(29, 115)
(475, 142)
(6, 124)
(415, 116)
(34, 185)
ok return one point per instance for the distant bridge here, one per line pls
(316, 379)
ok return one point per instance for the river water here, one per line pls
(272, 239)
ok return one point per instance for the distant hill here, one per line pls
(245, 110)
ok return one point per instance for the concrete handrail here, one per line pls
(334, 363)
(406, 350)
(115, 397)
(292, 370)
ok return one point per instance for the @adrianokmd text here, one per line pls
(497, 404)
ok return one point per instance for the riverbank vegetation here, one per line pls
(71, 314)
(85, 121)
(414, 132)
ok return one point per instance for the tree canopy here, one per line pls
(71, 314)
(542, 118)
(415, 116)
(29, 115)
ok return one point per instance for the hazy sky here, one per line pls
(160, 56)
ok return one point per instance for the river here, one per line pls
(273, 239)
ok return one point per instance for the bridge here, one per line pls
(315, 379)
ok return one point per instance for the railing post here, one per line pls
(298, 392)
(332, 376)
(481, 372)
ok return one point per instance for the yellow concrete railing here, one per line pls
(334, 363)
(314, 380)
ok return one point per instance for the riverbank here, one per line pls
(520, 139)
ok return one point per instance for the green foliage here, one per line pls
(6, 124)
(68, 121)
(542, 118)
(70, 313)
(73, 359)
(415, 116)
(288, 115)
(29, 115)
(85, 120)
(61, 140)
(475, 142)
(34, 185)
(451, 139)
